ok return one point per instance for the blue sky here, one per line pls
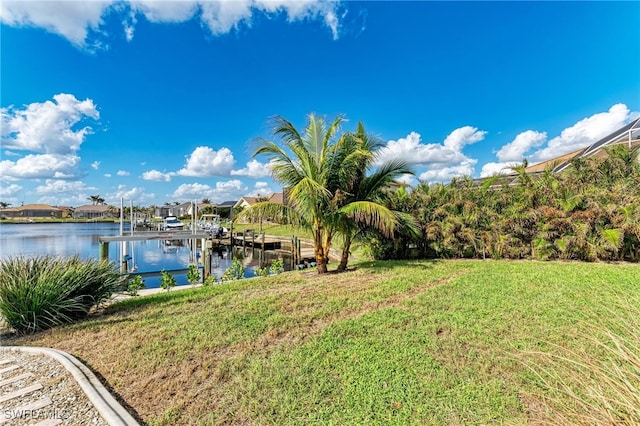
(158, 101)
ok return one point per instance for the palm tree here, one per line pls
(359, 190)
(315, 165)
(95, 199)
(4, 204)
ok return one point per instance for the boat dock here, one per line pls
(300, 251)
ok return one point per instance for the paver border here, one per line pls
(108, 407)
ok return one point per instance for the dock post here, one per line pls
(206, 257)
(103, 251)
(294, 251)
(124, 267)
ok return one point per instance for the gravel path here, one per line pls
(35, 388)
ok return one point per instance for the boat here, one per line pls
(211, 223)
(172, 223)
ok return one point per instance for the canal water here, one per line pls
(69, 239)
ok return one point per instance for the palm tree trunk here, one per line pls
(321, 258)
(344, 259)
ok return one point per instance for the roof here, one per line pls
(94, 208)
(249, 200)
(32, 207)
(277, 197)
(626, 134)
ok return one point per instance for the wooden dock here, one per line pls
(155, 235)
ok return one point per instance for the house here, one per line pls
(31, 211)
(91, 211)
(276, 197)
(628, 135)
(66, 211)
(177, 210)
(245, 201)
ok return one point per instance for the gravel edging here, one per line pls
(108, 407)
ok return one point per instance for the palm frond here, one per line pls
(371, 214)
(273, 211)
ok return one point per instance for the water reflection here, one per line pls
(68, 239)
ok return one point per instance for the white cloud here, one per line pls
(61, 192)
(585, 132)
(260, 189)
(157, 176)
(95, 165)
(446, 173)
(516, 149)
(254, 169)
(443, 160)
(232, 189)
(8, 153)
(107, 175)
(491, 169)
(221, 16)
(462, 136)
(48, 127)
(77, 21)
(165, 11)
(123, 173)
(53, 186)
(137, 195)
(580, 135)
(9, 190)
(70, 19)
(414, 151)
(407, 179)
(205, 162)
(41, 167)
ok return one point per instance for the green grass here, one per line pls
(409, 342)
(358, 251)
(273, 229)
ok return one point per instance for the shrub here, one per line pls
(235, 271)
(261, 272)
(167, 281)
(135, 285)
(277, 267)
(193, 276)
(210, 280)
(43, 292)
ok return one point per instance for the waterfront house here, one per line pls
(246, 201)
(31, 211)
(99, 211)
(66, 211)
(627, 135)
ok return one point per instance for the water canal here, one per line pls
(69, 239)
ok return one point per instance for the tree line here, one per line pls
(589, 212)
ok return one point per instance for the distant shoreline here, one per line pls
(31, 221)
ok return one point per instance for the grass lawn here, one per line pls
(407, 342)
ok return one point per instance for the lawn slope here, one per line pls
(411, 342)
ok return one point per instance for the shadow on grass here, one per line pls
(382, 265)
(168, 298)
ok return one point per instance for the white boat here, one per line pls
(211, 223)
(171, 223)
